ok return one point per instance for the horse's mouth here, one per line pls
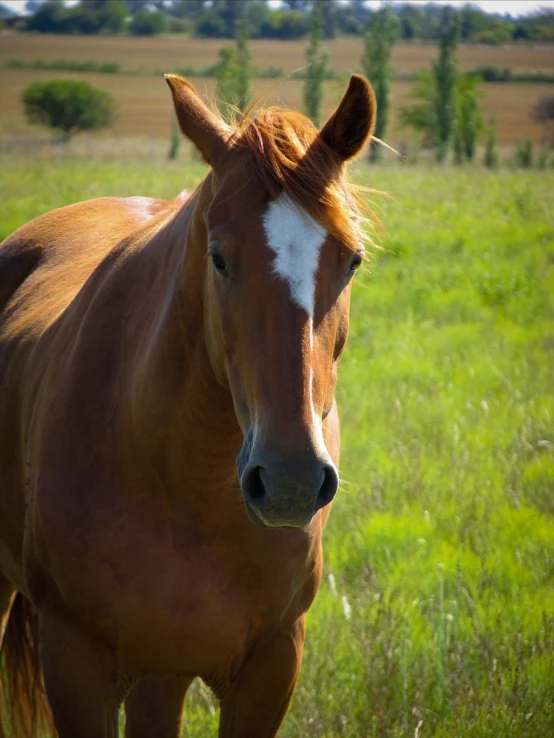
(255, 518)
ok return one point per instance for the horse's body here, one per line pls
(127, 393)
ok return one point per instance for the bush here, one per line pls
(180, 25)
(68, 106)
(490, 73)
(501, 34)
(271, 72)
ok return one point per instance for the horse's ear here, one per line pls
(348, 129)
(199, 124)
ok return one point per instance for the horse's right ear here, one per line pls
(205, 129)
(349, 128)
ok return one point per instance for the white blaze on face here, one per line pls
(296, 240)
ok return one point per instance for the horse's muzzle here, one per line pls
(287, 493)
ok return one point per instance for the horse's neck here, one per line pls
(175, 394)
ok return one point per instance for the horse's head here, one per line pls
(282, 241)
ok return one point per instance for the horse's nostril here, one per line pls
(252, 484)
(328, 487)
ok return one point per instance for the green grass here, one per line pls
(437, 605)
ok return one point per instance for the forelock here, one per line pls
(290, 157)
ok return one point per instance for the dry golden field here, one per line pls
(144, 102)
(166, 52)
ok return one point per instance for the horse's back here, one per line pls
(45, 262)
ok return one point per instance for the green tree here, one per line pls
(379, 40)
(469, 121)
(422, 116)
(148, 23)
(226, 76)
(229, 11)
(472, 21)
(49, 18)
(285, 25)
(174, 141)
(329, 18)
(243, 62)
(210, 25)
(190, 9)
(490, 159)
(445, 74)
(112, 16)
(68, 106)
(88, 17)
(317, 66)
(234, 72)
(523, 154)
(543, 113)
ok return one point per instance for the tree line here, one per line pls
(218, 19)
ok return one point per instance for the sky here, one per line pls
(514, 7)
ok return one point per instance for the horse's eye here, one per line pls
(355, 263)
(217, 260)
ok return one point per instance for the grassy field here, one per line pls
(436, 613)
(144, 104)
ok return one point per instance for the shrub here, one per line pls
(180, 25)
(68, 106)
(271, 72)
(490, 73)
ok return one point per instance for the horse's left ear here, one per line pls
(206, 130)
(348, 129)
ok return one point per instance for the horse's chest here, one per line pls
(198, 614)
(172, 599)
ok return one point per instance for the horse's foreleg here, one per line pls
(81, 680)
(154, 708)
(257, 701)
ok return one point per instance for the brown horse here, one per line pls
(148, 350)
